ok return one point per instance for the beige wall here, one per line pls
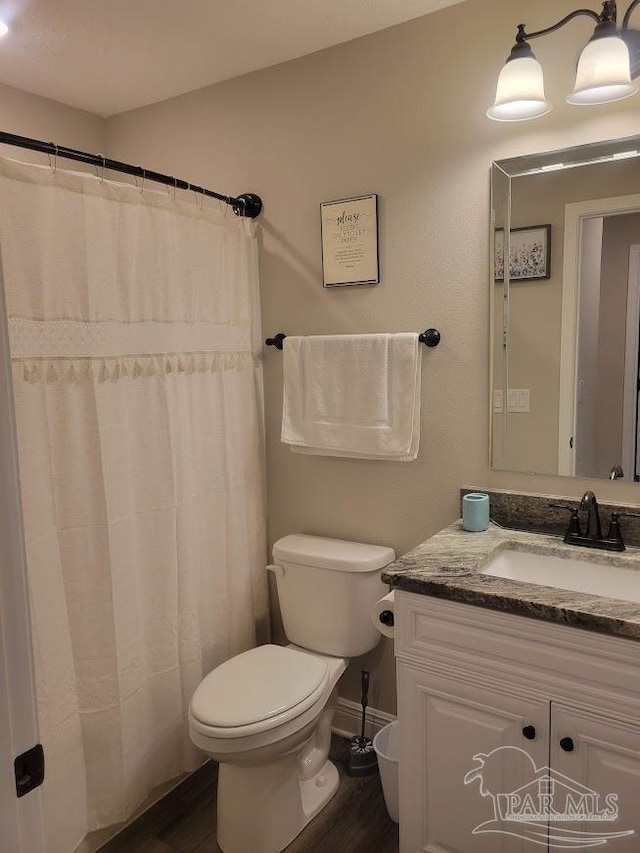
(39, 118)
(400, 113)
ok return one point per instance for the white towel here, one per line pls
(353, 395)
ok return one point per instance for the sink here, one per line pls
(566, 573)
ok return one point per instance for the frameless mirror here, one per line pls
(565, 308)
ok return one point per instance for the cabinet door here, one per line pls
(461, 745)
(595, 757)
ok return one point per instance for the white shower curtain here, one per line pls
(135, 338)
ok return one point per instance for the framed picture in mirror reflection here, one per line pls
(530, 254)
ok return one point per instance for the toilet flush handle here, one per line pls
(277, 570)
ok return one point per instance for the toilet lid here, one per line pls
(257, 685)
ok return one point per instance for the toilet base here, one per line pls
(262, 809)
(317, 792)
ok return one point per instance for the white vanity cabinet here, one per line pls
(497, 711)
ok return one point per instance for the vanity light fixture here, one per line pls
(603, 74)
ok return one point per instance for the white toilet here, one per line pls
(265, 715)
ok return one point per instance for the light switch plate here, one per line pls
(498, 403)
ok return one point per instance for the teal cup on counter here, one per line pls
(475, 512)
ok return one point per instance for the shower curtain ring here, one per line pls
(104, 164)
(200, 203)
(168, 188)
(55, 157)
(144, 175)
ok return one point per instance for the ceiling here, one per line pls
(109, 57)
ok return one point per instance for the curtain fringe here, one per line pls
(54, 370)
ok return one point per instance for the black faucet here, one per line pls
(592, 538)
(590, 505)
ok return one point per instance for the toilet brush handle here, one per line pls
(364, 699)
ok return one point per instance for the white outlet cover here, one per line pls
(518, 400)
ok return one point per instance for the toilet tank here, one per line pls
(326, 590)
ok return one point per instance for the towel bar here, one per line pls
(430, 338)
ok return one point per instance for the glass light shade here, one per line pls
(520, 92)
(604, 73)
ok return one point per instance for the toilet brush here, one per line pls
(362, 756)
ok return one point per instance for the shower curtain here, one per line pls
(135, 335)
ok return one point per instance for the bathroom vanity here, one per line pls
(511, 691)
(518, 656)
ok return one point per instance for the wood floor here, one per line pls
(355, 821)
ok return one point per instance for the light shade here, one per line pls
(520, 92)
(604, 73)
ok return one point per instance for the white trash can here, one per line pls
(385, 744)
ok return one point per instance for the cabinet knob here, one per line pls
(566, 743)
(529, 732)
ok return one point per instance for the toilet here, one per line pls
(265, 715)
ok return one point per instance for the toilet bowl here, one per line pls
(265, 715)
(261, 702)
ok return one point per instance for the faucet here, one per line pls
(592, 537)
(590, 505)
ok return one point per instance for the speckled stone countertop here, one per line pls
(446, 566)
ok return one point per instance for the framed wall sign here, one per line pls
(530, 253)
(350, 241)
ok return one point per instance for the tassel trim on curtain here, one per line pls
(111, 369)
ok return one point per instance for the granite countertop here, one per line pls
(446, 566)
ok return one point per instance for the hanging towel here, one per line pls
(353, 395)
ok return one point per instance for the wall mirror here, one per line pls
(565, 309)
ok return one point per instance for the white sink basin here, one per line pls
(577, 575)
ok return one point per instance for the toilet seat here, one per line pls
(257, 691)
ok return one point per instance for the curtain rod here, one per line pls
(247, 204)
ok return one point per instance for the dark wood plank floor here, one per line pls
(355, 821)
